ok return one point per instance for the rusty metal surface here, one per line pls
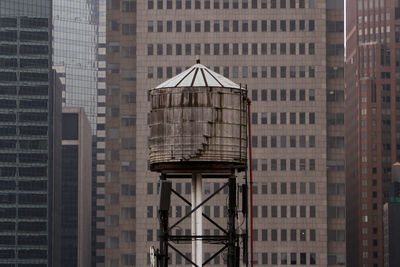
(198, 124)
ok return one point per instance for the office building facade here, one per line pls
(372, 90)
(30, 135)
(290, 55)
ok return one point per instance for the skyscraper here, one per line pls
(372, 97)
(30, 109)
(79, 53)
(75, 51)
(290, 54)
(76, 184)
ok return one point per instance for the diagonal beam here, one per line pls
(215, 254)
(196, 208)
(183, 255)
(204, 215)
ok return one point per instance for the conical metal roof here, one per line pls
(198, 76)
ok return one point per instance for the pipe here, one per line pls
(193, 217)
(196, 222)
(199, 222)
(251, 182)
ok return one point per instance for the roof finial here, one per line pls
(197, 59)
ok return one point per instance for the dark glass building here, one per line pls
(29, 113)
(76, 194)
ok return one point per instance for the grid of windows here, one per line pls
(217, 26)
(225, 4)
(25, 154)
(236, 49)
(279, 72)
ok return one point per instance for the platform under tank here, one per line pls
(198, 118)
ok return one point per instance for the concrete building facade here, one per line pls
(290, 55)
(372, 97)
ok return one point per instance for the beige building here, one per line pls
(290, 55)
(76, 188)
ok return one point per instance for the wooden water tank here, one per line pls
(198, 120)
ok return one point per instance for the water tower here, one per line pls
(198, 130)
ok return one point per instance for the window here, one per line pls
(263, 3)
(264, 141)
(245, 49)
(149, 234)
(273, 141)
(254, 72)
(293, 211)
(273, 117)
(283, 71)
(283, 25)
(113, 68)
(293, 258)
(312, 212)
(283, 141)
(263, 49)
(293, 49)
(216, 25)
(303, 258)
(128, 236)
(273, 25)
(254, 141)
(128, 213)
(273, 49)
(112, 242)
(282, 49)
(302, 117)
(283, 118)
(302, 25)
(149, 211)
(312, 235)
(264, 164)
(178, 26)
(235, 26)
(292, 118)
(169, 4)
(255, 211)
(311, 48)
(311, 25)
(274, 164)
(225, 48)
(245, 26)
(311, 118)
(292, 164)
(226, 26)
(188, 49)
(159, 26)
